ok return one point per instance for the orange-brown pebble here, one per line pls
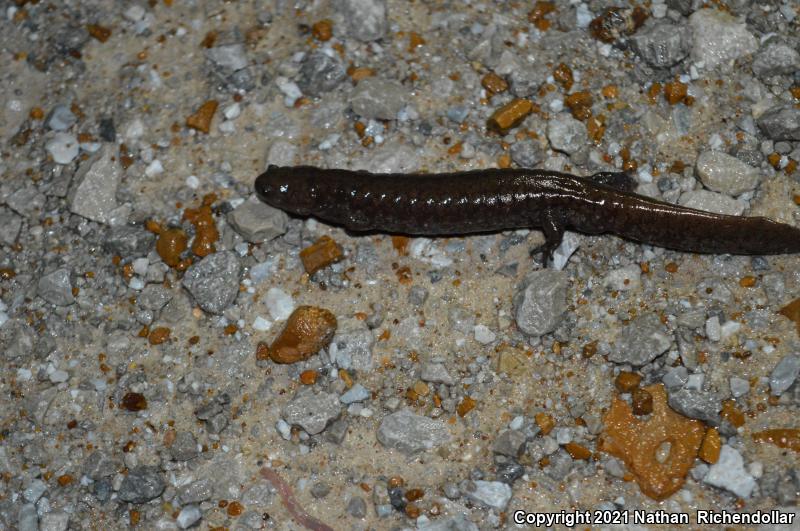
(671, 267)
(36, 113)
(201, 120)
(636, 442)
(494, 83)
(206, 233)
(396, 481)
(133, 401)
(589, 350)
(400, 244)
(415, 40)
(320, 254)
(307, 330)
(7, 273)
(234, 509)
(466, 405)
(675, 92)
(362, 72)
(626, 381)
(159, 335)
(615, 22)
(641, 402)
(545, 422)
(170, 244)
(65, 480)
(322, 30)
(580, 104)
(747, 281)
(563, 75)
(504, 161)
(414, 494)
(412, 511)
(537, 15)
(510, 115)
(309, 377)
(101, 33)
(610, 92)
(577, 451)
(732, 414)
(596, 128)
(792, 312)
(711, 447)
(780, 437)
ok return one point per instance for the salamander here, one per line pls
(499, 199)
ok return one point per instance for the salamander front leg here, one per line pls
(553, 229)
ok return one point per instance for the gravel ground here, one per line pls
(441, 384)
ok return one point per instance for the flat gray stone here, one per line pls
(729, 473)
(723, 173)
(229, 56)
(436, 373)
(566, 134)
(365, 19)
(213, 282)
(94, 187)
(320, 73)
(540, 303)
(56, 288)
(776, 58)
(312, 412)
(642, 341)
(411, 433)
(258, 222)
(781, 122)
(352, 344)
(719, 37)
(709, 201)
(700, 405)
(54, 521)
(494, 494)
(784, 374)
(184, 447)
(129, 241)
(378, 98)
(10, 224)
(27, 518)
(662, 44)
(141, 485)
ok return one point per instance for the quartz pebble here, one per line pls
(729, 473)
(411, 433)
(63, 147)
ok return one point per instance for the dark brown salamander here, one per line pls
(499, 199)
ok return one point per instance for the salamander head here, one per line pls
(287, 188)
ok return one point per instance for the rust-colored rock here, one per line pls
(563, 75)
(206, 233)
(780, 437)
(580, 104)
(641, 402)
(617, 22)
(494, 83)
(307, 330)
(675, 92)
(98, 32)
(711, 447)
(159, 335)
(577, 451)
(322, 30)
(133, 401)
(170, 244)
(636, 443)
(201, 120)
(792, 312)
(321, 254)
(545, 422)
(466, 405)
(626, 382)
(510, 115)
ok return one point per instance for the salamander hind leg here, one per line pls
(553, 227)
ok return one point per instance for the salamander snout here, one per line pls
(285, 188)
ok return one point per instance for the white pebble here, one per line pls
(289, 89)
(261, 325)
(134, 130)
(279, 304)
(136, 283)
(24, 374)
(140, 266)
(730, 328)
(192, 182)
(232, 111)
(63, 147)
(134, 13)
(483, 334)
(154, 168)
